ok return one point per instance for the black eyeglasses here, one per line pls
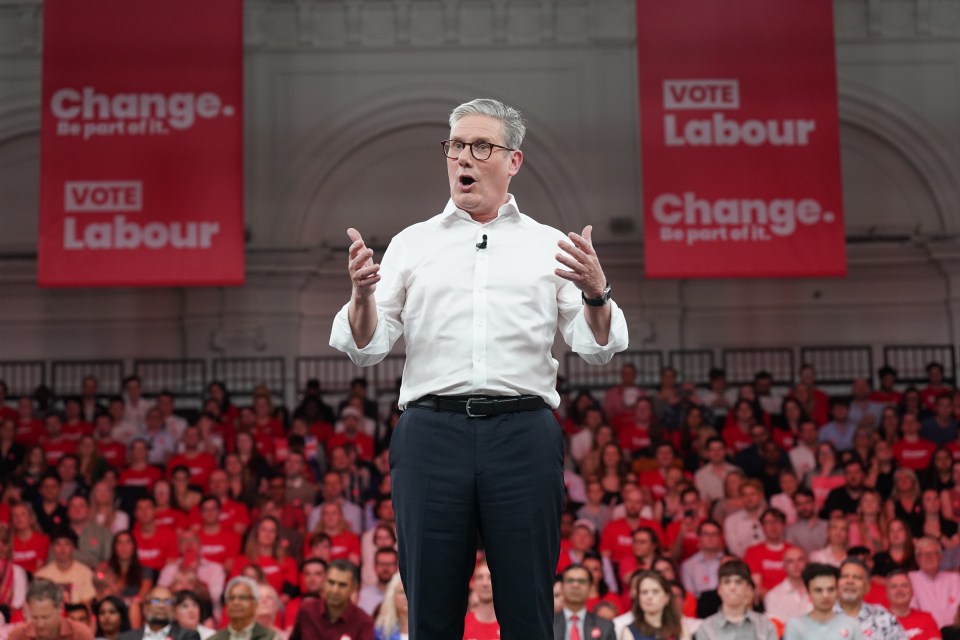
(480, 150)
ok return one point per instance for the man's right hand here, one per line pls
(364, 272)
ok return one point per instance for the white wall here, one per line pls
(346, 103)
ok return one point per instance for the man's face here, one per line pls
(133, 389)
(89, 387)
(104, 426)
(218, 483)
(664, 456)
(332, 487)
(576, 587)
(158, 606)
(209, 513)
(241, 605)
(734, 591)
(191, 438)
(483, 585)
(763, 386)
(632, 502)
(479, 187)
(711, 538)
(385, 565)
(772, 529)
(909, 425)
(861, 390)
(79, 615)
(50, 489)
(154, 420)
(293, 467)
(852, 584)
(45, 618)
(642, 544)
(899, 591)
(628, 375)
(339, 588)
(716, 452)
(944, 408)
(823, 593)
(313, 577)
(794, 562)
(854, 476)
(751, 497)
(145, 512)
(928, 558)
(63, 551)
(78, 511)
(581, 539)
(53, 426)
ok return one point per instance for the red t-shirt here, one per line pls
(920, 625)
(281, 450)
(113, 452)
(617, 537)
(929, 395)
(56, 449)
(76, 430)
(473, 629)
(655, 480)
(784, 438)
(145, 477)
(157, 550)
(219, 547)
(886, 397)
(171, 518)
(767, 562)
(634, 438)
(915, 456)
(200, 466)
(612, 598)
(275, 572)
(28, 433)
(31, 554)
(8, 413)
(271, 427)
(690, 544)
(344, 544)
(362, 443)
(735, 439)
(323, 431)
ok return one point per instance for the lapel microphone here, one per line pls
(482, 244)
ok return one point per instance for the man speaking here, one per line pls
(478, 292)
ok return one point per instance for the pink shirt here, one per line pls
(938, 596)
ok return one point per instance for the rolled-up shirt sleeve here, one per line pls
(579, 336)
(390, 296)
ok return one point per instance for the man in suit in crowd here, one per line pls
(574, 622)
(158, 614)
(242, 596)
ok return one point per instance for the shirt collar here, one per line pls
(567, 614)
(161, 633)
(509, 208)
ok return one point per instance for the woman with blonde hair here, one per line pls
(13, 579)
(264, 549)
(30, 546)
(904, 502)
(392, 622)
(869, 529)
(104, 512)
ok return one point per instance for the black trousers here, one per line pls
(454, 477)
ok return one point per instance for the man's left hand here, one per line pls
(585, 271)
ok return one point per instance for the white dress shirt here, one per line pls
(477, 321)
(160, 634)
(568, 616)
(786, 601)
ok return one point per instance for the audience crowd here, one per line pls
(707, 512)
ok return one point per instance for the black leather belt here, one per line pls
(479, 406)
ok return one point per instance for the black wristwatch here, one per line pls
(598, 302)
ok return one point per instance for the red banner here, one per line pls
(141, 148)
(740, 139)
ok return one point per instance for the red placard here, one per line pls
(740, 139)
(141, 147)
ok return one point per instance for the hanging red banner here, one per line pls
(740, 139)
(141, 145)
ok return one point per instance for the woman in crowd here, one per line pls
(189, 613)
(939, 475)
(950, 498)
(912, 402)
(905, 503)
(124, 576)
(889, 428)
(217, 392)
(935, 525)
(168, 514)
(139, 472)
(789, 484)
(655, 615)
(863, 439)
(869, 529)
(12, 453)
(254, 464)
(838, 533)
(612, 472)
(91, 462)
(184, 496)
(827, 476)
(736, 430)
(241, 482)
(392, 622)
(880, 469)
(666, 568)
(30, 546)
(103, 509)
(694, 433)
(13, 579)
(112, 618)
(731, 501)
(34, 465)
(818, 412)
(270, 611)
(899, 553)
(786, 426)
(590, 466)
(264, 549)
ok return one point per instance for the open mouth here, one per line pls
(466, 181)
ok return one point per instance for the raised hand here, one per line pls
(364, 272)
(584, 271)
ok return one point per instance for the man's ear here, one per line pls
(516, 159)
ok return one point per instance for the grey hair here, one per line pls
(250, 582)
(41, 589)
(513, 127)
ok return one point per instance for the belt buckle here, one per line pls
(469, 413)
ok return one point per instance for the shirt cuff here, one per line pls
(341, 338)
(585, 344)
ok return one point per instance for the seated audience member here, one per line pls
(44, 604)
(30, 544)
(332, 491)
(821, 620)
(112, 451)
(765, 559)
(103, 509)
(699, 571)
(736, 591)
(481, 620)
(385, 565)
(736, 431)
(71, 481)
(189, 614)
(709, 479)
(112, 618)
(335, 615)
(655, 615)
(242, 596)
(905, 501)
(13, 579)
(269, 613)
(582, 540)
(875, 621)
(934, 591)
(788, 486)
(234, 515)
(382, 534)
(935, 386)
(809, 532)
(123, 575)
(838, 536)
(899, 553)
(911, 451)
(935, 525)
(604, 586)
(840, 430)
(622, 398)
(644, 549)
(189, 558)
(575, 620)
(74, 577)
(827, 475)
(50, 512)
(870, 528)
(392, 621)
(313, 577)
(55, 443)
(156, 546)
(349, 433)
(300, 487)
(199, 463)
(790, 598)
(950, 496)
(218, 543)
(845, 499)
(886, 393)
(594, 509)
(158, 613)
(139, 472)
(93, 540)
(344, 543)
(263, 549)
(162, 444)
(78, 613)
(742, 528)
(184, 495)
(919, 625)
(681, 534)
